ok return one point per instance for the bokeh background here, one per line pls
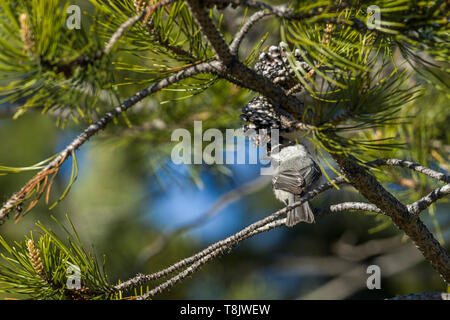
(129, 194)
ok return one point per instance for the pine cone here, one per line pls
(26, 34)
(35, 257)
(259, 112)
(275, 65)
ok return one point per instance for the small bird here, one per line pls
(295, 173)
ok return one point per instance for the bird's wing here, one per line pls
(288, 180)
(297, 179)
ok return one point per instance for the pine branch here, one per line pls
(239, 71)
(235, 44)
(84, 60)
(100, 124)
(420, 205)
(213, 254)
(412, 165)
(140, 279)
(409, 223)
(193, 263)
(347, 206)
(350, 279)
(413, 208)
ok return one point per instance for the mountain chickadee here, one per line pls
(295, 173)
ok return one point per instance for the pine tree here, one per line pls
(349, 76)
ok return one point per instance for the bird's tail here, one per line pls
(299, 214)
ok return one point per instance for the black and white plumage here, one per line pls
(295, 174)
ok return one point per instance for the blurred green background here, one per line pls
(128, 193)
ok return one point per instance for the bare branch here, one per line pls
(425, 202)
(412, 165)
(226, 199)
(192, 268)
(413, 208)
(345, 206)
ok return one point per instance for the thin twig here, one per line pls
(226, 199)
(278, 10)
(425, 202)
(234, 46)
(121, 30)
(354, 278)
(130, 22)
(346, 206)
(200, 262)
(414, 166)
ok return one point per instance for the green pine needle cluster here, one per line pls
(40, 267)
(357, 81)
